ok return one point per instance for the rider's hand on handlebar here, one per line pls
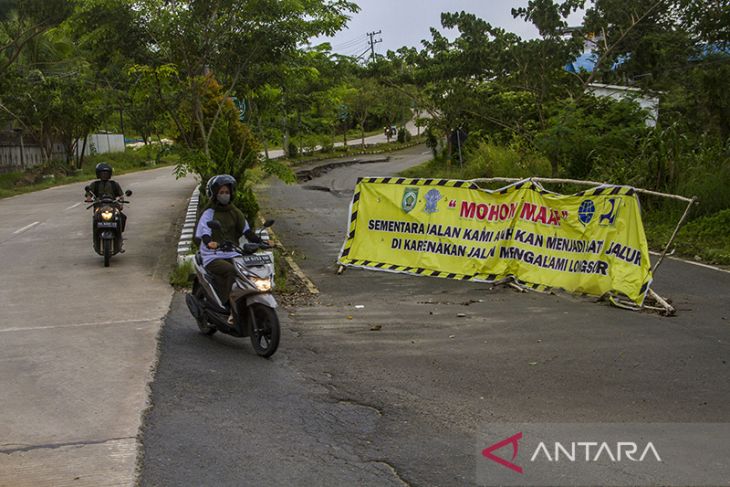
(213, 245)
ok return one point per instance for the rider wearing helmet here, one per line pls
(106, 186)
(221, 191)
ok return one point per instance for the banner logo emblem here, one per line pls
(410, 198)
(512, 440)
(608, 218)
(432, 201)
(586, 211)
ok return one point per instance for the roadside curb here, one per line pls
(311, 287)
(188, 230)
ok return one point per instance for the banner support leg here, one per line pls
(674, 236)
(668, 308)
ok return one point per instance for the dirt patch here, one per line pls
(291, 291)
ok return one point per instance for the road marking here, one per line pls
(78, 325)
(72, 206)
(698, 264)
(27, 227)
(427, 152)
(294, 266)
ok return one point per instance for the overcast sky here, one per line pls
(407, 22)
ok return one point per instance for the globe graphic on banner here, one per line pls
(586, 211)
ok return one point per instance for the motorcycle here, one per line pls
(254, 307)
(106, 224)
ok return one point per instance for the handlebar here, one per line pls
(247, 249)
(108, 201)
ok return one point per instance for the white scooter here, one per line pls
(254, 307)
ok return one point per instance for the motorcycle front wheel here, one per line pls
(265, 330)
(107, 245)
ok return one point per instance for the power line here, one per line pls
(362, 54)
(351, 42)
(356, 48)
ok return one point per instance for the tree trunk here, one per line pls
(285, 135)
(263, 138)
(83, 152)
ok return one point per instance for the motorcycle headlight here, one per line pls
(107, 215)
(263, 285)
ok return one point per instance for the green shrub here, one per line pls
(404, 135)
(292, 150)
(182, 275)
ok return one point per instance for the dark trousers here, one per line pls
(225, 276)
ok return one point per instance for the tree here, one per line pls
(231, 38)
(363, 101)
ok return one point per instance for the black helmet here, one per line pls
(215, 183)
(103, 167)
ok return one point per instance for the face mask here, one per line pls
(224, 199)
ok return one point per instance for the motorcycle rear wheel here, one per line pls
(203, 325)
(265, 330)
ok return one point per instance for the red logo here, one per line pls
(487, 452)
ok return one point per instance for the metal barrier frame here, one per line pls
(662, 305)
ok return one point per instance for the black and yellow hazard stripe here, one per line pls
(353, 222)
(527, 184)
(445, 183)
(418, 271)
(608, 191)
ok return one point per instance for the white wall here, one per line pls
(11, 160)
(645, 101)
(101, 144)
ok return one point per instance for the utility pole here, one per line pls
(373, 41)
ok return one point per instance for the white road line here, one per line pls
(78, 325)
(72, 206)
(27, 227)
(698, 264)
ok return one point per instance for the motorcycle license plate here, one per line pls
(106, 225)
(256, 260)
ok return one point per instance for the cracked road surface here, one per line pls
(386, 379)
(77, 341)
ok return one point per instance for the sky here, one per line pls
(407, 22)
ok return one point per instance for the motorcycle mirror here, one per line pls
(128, 192)
(268, 223)
(214, 225)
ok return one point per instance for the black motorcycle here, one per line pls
(107, 224)
(254, 306)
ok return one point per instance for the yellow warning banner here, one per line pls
(591, 242)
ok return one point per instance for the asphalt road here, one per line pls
(77, 340)
(373, 139)
(382, 382)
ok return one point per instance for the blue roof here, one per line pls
(587, 61)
